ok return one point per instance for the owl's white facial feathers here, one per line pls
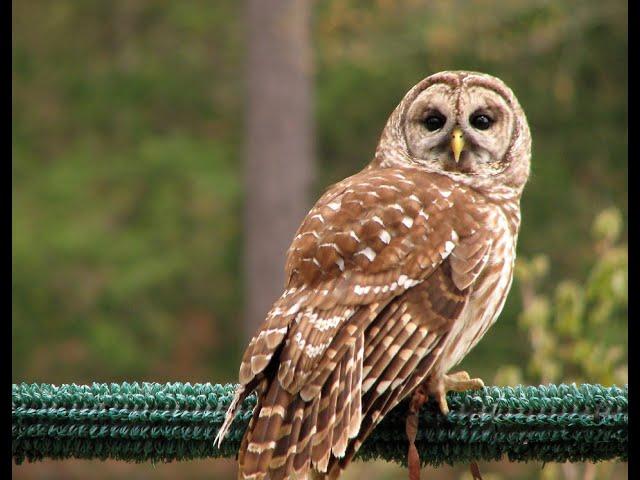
(498, 155)
(484, 150)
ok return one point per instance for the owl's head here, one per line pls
(466, 125)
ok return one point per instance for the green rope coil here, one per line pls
(178, 421)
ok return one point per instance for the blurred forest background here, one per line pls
(141, 140)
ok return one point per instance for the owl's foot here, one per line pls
(455, 382)
(436, 388)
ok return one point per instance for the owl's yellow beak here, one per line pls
(457, 143)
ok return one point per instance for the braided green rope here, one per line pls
(176, 421)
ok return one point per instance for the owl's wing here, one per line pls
(401, 347)
(367, 240)
(349, 316)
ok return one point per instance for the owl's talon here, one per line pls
(455, 382)
(461, 382)
(442, 403)
(460, 376)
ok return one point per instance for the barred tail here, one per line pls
(289, 435)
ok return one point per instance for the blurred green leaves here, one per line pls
(106, 246)
(577, 330)
(578, 333)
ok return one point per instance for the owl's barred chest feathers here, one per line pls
(392, 277)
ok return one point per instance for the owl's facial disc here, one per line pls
(459, 128)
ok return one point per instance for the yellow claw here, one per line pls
(457, 143)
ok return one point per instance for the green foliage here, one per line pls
(106, 264)
(578, 332)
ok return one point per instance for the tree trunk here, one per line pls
(279, 157)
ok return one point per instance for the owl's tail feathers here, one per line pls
(241, 394)
(289, 435)
(268, 439)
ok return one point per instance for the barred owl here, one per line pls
(393, 276)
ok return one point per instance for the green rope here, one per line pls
(178, 421)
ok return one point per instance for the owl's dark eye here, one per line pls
(481, 121)
(434, 121)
